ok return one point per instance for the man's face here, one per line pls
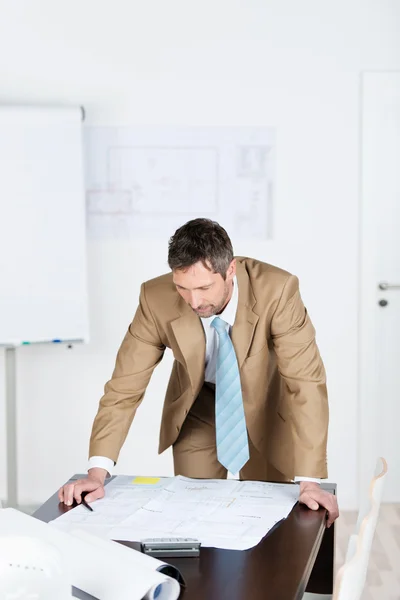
(207, 293)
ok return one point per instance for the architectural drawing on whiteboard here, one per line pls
(254, 192)
(167, 180)
(109, 202)
(149, 189)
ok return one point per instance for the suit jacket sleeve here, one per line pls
(302, 370)
(140, 352)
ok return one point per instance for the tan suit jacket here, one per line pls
(281, 371)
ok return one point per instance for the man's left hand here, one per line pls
(313, 496)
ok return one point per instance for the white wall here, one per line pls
(283, 63)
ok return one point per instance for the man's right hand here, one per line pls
(93, 483)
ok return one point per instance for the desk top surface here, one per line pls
(278, 568)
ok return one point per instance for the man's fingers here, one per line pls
(95, 488)
(78, 489)
(309, 501)
(316, 498)
(96, 495)
(333, 513)
(73, 491)
(328, 501)
(69, 493)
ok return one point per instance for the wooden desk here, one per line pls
(296, 556)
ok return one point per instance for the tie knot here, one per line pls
(219, 325)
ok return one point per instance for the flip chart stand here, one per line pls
(11, 427)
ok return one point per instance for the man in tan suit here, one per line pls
(281, 400)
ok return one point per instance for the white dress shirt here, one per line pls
(212, 341)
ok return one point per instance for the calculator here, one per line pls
(170, 547)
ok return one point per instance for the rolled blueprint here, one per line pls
(124, 553)
(104, 569)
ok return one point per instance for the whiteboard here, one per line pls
(43, 281)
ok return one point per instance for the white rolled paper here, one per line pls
(104, 569)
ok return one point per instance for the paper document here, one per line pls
(102, 568)
(220, 513)
(123, 496)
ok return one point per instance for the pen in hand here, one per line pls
(83, 501)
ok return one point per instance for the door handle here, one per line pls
(384, 285)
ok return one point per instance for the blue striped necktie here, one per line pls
(230, 422)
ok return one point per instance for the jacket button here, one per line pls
(177, 428)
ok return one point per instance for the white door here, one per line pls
(379, 400)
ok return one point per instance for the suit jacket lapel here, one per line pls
(189, 334)
(246, 320)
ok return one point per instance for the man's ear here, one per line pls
(231, 272)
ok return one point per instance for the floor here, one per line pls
(383, 579)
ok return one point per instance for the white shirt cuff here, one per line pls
(101, 462)
(314, 479)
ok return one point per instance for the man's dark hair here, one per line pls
(200, 240)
